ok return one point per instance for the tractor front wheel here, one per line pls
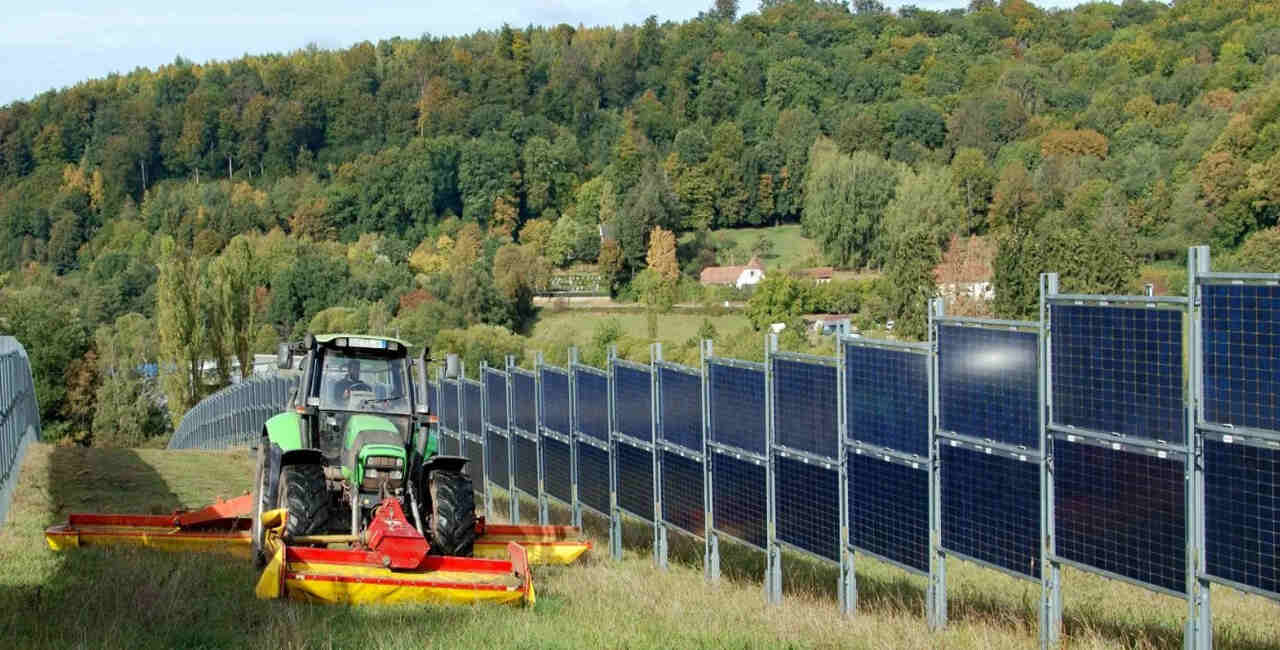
(453, 513)
(263, 500)
(305, 498)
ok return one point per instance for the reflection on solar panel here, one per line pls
(557, 468)
(887, 397)
(632, 399)
(475, 452)
(495, 386)
(1242, 355)
(991, 509)
(472, 394)
(808, 507)
(1119, 370)
(804, 407)
(524, 408)
(681, 408)
(737, 407)
(988, 384)
(889, 510)
(593, 477)
(526, 465)
(555, 401)
(739, 491)
(497, 445)
(682, 504)
(635, 481)
(1242, 502)
(1121, 512)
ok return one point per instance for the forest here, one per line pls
(160, 223)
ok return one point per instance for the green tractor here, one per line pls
(355, 434)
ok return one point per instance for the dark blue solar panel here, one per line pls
(635, 481)
(1242, 355)
(495, 387)
(1121, 512)
(1118, 369)
(558, 469)
(448, 446)
(808, 507)
(804, 407)
(739, 498)
(737, 407)
(555, 401)
(991, 509)
(523, 405)
(433, 398)
(889, 510)
(887, 396)
(988, 384)
(475, 452)
(632, 401)
(593, 405)
(449, 406)
(473, 408)
(497, 445)
(1242, 508)
(593, 477)
(526, 465)
(682, 504)
(681, 408)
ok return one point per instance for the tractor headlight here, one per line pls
(382, 469)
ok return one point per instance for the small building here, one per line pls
(819, 275)
(966, 269)
(736, 276)
(829, 323)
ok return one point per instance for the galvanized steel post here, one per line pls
(615, 512)
(513, 495)
(576, 504)
(539, 412)
(484, 440)
(773, 552)
(711, 541)
(655, 433)
(936, 596)
(848, 585)
(1050, 570)
(1199, 629)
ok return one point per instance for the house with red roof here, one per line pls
(735, 276)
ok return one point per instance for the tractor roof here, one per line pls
(329, 338)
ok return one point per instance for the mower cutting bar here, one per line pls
(544, 544)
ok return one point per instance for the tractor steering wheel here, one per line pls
(358, 386)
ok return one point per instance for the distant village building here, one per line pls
(829, 323)
(966, 269)
(737, 276)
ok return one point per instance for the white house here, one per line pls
(738, 276)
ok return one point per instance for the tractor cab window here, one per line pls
(357, 382)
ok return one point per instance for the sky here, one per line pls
(48, 44)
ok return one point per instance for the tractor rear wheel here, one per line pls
(453, 513)
(305, 498)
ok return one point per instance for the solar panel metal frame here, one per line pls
(661, 368)
(718, 442)
(635, 436)
(1030, 441)
(596, 438)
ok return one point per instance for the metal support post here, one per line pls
(848, 586)
(573, 437)
(711, 541)
(773, 554)
(1199, 630)
(936, 596)
(539, 409)
(484, 440)
(655, 419)
(513, 495)
(1050, 570)
(615, 511)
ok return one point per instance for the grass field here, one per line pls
(790, 247)
(122, 598)
(671, 326)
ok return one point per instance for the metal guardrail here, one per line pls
(234, 416)
(19, 415)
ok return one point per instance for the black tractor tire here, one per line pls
(263, 500)
(453, 513)
(305, 497)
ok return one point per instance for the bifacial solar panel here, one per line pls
(632, 401)
(1118, 370)
(473, 408)
(808, 507)
(635, 481)
(988, 384)
(991, 509)
(474, 451)
(593, 477)
(1242, 355)
(557, 468)
(1121, 512)
(889, 510)
(555, 401)
(433, 398)
(524, 407)
(739, 499)
(681, 408)
(737, 407)
(448, 444)
(1242, 514)
(682, 504)
(497, 446)
(495, 388)
(887, 398)
(593, 404)
(449, 414)
(804, 407)
(526, 465)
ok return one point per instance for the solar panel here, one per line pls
(681, 408)
(593, 405)
(991, 509)
(449, 405)
(495, 387)
(1118, 370)
(475, 452)
(737, 407)
(593, 477)
(555, 401)
(988, 384)
(635, 481)
(682, 504)
(889, 510)
(808, 507)
(523, 402)
(497, 446)
(557, 468)
(804, 407)
(448, 444)
(526, 452)
(1242, 355)
(887, 398)
(473, 408)
(433, 398)
(1122, 512)
(739, 498)
(1242, 502)
(632, 400)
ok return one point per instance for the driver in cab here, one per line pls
(349, 381)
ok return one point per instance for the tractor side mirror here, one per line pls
(284, 356)
(452, 367)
